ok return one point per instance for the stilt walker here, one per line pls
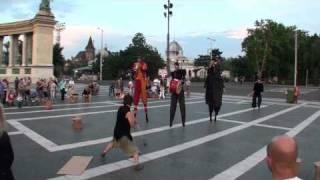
(214, 88)
(177, 93)
(140, 86)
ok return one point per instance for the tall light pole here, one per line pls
(295, 59)
(211, 42)
(168, 14)
(101, 56)
(59, 28)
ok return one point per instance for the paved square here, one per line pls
(231, 148)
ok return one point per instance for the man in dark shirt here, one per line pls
(180, 75)
(257, 90)
(122, 137)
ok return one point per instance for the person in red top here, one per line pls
(140, 86)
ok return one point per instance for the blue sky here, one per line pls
(192, 22)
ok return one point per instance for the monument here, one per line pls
(35, 58)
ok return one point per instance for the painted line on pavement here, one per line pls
(15, 133)
(112, 104)
(141, 133)
(46, 143)
(104, 169)
(42, 141)
(88, 113)
(257, 125)
(251, 161)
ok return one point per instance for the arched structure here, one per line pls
(35, 58)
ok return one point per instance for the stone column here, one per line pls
(1, 51)
(42, 45)
(29, 49)
(24, 50)
(13, 50)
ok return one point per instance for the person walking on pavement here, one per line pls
(62, 86)
(257, 90)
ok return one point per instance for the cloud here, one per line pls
(26, 9)
(75, 37)
(239, 33)
(17, 9)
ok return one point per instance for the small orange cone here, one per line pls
(77, 123)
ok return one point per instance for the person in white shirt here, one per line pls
(53, 88)
(281, 158)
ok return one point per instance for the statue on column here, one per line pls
(45, 5)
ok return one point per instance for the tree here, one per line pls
(240, 66)
(119, 64)
(58, 60)
(203, 60)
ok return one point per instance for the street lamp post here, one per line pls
(295, 58)
(211, 42)
(101, 56)
(59, 28)
(168, 14)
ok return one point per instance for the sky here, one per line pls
(192, 23)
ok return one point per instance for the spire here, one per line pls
(90, 44)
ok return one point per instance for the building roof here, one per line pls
(81, 55)
(90, 44)
(175, 47)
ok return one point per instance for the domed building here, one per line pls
(176, 55)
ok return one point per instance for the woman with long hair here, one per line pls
(6, 152)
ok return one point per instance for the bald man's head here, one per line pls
(282, 154)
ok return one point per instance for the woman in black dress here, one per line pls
(6, 152)
(214, 88)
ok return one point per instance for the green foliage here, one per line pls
(269, 50)
(58, 60)
(240, 67)
(119, 64)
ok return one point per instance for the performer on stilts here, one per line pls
(214, 88)
(140, 86)
(177, 93)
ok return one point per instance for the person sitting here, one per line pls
(281, 158)
(73, 95)
(11, 97)
(34, 98)
(86, 94)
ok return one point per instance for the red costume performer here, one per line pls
(140, 86)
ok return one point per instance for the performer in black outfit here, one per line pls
(6, 152)
(214, 88)
(257, 90)
(179, 74)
